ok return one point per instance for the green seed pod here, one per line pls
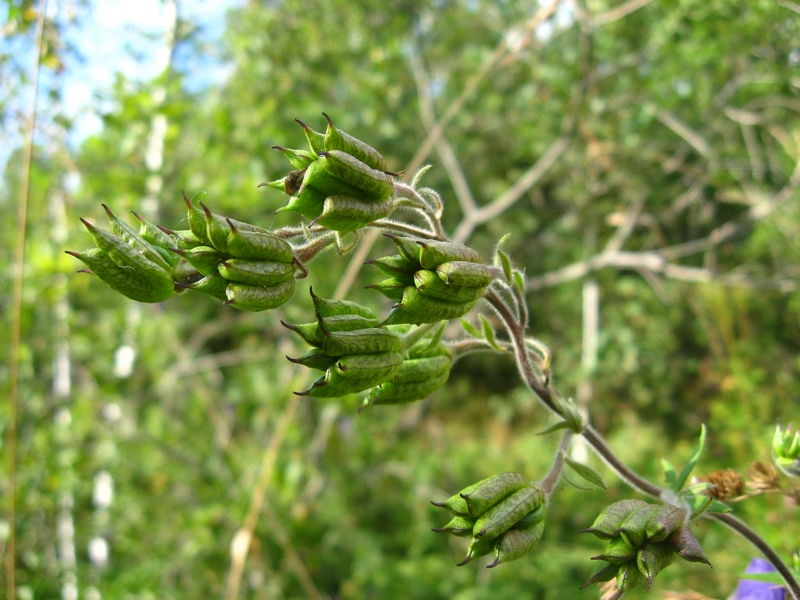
(257, 245)
(125, 255)
(329, 308)
(184, 238)
(131, 237)
(127, 281)
(217, 229)
(257, 298)
(686, 545)
(211, 285)
(422, 369)
(653, 558)
(493, 490)
(310, 332)
(203, 258)
(628, 577)
(415, 307)
(320, 388)
(336, 139)
(315, 359)
(503, 515)
(309, 202)
(610, 519)
(197, 222)
(372, 340)
(477, 547)
(376, 184)
(158, 238)
(458, 526)
(407, 246)
(395, 266)
(516, 543)
(429, 284)
(435, 253)
(299, 159)
(352, 385)
(634, 528)
(316, 140)
(317, 177)
(343, 214)
(403, 393)
(362, 366)
(664, 521)
(392, 288)
(255, 272)
(617, 551)
(456, 503)
(602, 572)
(468, 274)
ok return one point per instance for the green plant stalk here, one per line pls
(516, 330)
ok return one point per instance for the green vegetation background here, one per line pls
(346, 510)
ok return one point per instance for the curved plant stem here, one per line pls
(751, 536)
(554, 474)
(16, 312)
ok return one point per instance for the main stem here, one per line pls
(516, 330)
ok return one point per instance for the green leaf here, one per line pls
(555, 427)
(670, 476)
(577, 482)
(488, 333)
(519, 282)
(470, 329)
(585, 472)
(687, 470)
(504, 260)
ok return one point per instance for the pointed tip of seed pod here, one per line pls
(463, 562)
(303, 125)
(88, 225)
(496, 562)
(328, 119)
(186, 199)
(73, 253)
(438, 504)
(288, 325)
(164, 229)
(110, 214)
(276, 147)
(84, 271)
(586, 530)
(135, 214)
(292, 360)
(179, 251)
(206, 210)
(262, 184)
(303, 393)
(230, 223)
(438, 529)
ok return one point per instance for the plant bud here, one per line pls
(456, 503)
(415, 307)
(407, 246)
(664, 521)
(308, 202)
(197, 222)
(392, 288)
(503, 515)
(130, 236)
(316, 140)
(320, 179)
(493, 490)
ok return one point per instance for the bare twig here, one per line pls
(619, 12)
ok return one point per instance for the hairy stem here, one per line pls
(751, 536)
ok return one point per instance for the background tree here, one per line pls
(643, 157)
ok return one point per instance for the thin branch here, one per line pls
(16, 310)
(751, 536)
(692, 137)
(619, 12)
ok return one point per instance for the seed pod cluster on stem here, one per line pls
(642, 540)
(341, 183)
(431, 280)
(504, 514)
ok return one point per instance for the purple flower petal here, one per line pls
(758, 590)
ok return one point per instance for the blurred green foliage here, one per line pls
(686, 109)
